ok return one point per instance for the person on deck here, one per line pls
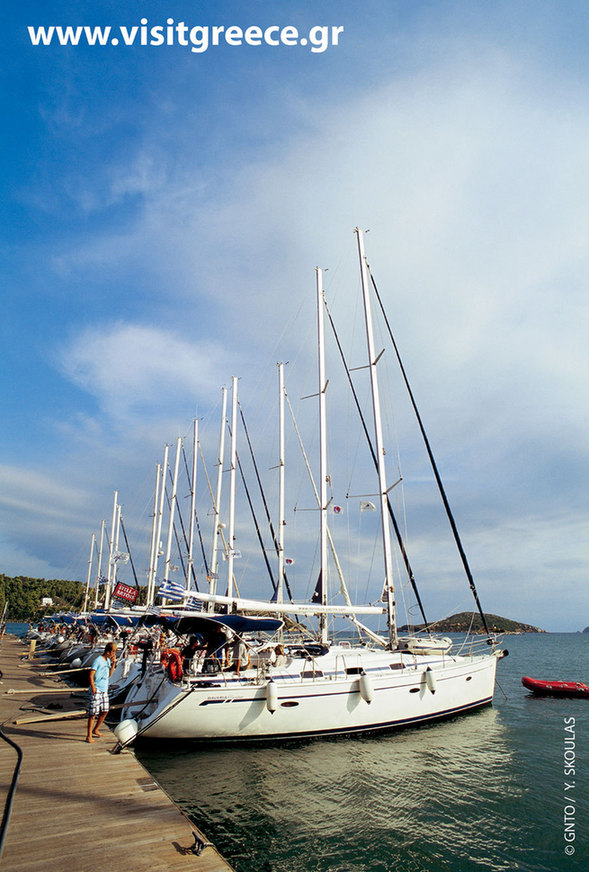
(188, 652)
(240, 655)
(215, 651)
(100, 672)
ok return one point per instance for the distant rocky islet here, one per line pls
(465, 622)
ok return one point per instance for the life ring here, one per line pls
(174, 665)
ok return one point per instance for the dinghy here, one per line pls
(556, 688)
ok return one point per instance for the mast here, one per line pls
(112, 569)
(190, 559)
(99, 568)
(232, 480)
(389, 588)
(87, 590)
(154, 542)
(167, 568)
(322, 455)
(160, 518)
(281, 521)
(214, 571)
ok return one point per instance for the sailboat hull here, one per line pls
(238, 709)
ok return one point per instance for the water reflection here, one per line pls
(435, 798)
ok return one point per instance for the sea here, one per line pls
(504, 788)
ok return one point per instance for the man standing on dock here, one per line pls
(100, 672)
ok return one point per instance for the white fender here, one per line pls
(271, 697)
(366, 688)
(126, 731)
(430, 679)
(76, 663)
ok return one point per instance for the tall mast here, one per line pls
(99, 568)
(111, 562)
(322, 453)
(160, 519)
(173, 497)
(214, 571)
(190, 560)
(232, 480)
(389, 588)
(154, 545)
(281, 521)
(87, 590)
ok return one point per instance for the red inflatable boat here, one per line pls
(556, 688)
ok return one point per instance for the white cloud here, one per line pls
(134, 370)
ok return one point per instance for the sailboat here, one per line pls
(279, 688)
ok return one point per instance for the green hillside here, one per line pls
(462, 622)
(24, 596)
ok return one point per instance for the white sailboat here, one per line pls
(296, 689)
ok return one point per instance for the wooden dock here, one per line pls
(78, 807)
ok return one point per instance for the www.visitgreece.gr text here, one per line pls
(199, 38)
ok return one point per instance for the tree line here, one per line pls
(24, 596)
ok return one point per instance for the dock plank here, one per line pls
(79, 806)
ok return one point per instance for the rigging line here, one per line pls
(129, 552)
(256, 525)
(375, 461)
(192, 519)
(175, 530)
(198, 527)
(433, 464)
(264, 501)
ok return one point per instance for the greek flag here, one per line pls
(171, 590)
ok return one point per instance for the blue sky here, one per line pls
(163, 212)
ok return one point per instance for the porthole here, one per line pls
(290, 703)
(414, 690)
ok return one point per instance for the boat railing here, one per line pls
(475, 645)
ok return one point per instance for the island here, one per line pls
(463, 622)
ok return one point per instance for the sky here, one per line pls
(163, 212)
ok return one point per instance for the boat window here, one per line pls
(469, 677)
(290, 703)
(397, 665)
(354, 670)
(310, 674)
(414, 690)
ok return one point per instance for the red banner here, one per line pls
(126, 593)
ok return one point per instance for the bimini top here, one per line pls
(114, 619)
(198, 623)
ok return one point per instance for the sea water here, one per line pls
(505, 788)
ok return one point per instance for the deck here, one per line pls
(78, 806)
